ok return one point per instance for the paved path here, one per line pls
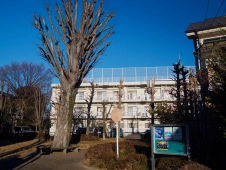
(58, 161)
(54, 161)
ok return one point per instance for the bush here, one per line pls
(75, 138)
(170, 162)
(132, 161)
(131, 156)
(85, 137)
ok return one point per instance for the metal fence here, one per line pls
(131, 74)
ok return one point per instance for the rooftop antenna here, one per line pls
(179, 60)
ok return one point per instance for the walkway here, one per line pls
(54, 161)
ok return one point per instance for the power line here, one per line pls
(206, 13)
(213, 18)
(210, 24)
(218, 11)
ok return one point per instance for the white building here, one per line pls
(135, 100)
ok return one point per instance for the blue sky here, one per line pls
(148, 33)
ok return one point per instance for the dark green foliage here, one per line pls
(170, 162)
(217, 81)
(132, 155)
(213, 84)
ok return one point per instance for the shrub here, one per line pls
(83, 137)
(170, 162)
(132, 161)
(131, 156)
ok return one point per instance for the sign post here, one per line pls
(116, 115)
(170, 139)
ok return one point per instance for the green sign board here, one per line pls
(170, 139)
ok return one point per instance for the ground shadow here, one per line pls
(20, 149)
(14, 162)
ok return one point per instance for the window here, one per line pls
(132, 111)
(99, 111)
(101, 95)
(131, 125)
(165, 94)
(80, 96)
(132, 94)
(146, 111)
(121, 125)
(115, 95)
(78, 112)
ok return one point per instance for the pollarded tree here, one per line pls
(187, 96)
(151, 91)
(119, 104)
(105, 115)
(83, 36)
(180, 92)
(89, 102)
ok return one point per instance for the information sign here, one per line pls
(170, 139)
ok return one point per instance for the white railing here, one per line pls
(131, 74)
(140, 97)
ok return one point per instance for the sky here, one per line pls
(148, 33)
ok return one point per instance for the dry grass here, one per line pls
(82, 145)
(12, 147)
(87, 144)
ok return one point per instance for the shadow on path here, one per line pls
(14, 161)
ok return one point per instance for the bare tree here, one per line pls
(17, 75)
(89, 101)
(21, 80)
(151, 91)
(24, 101)
(105, 115)
(41, 101)
(119, 105)
(83, 41)
(3, 100)
(77, 118)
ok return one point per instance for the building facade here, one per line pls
(135, 99)
(205, 35)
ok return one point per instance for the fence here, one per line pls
(131, 74)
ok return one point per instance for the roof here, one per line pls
(210, 23)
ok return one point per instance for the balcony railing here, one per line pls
(130, 98)
(132, 114)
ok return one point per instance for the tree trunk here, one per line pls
(64, 117)
(88, 124)
(104, 129)
(39, 132)
(104, 121)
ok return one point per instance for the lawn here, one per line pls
(10, 145)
